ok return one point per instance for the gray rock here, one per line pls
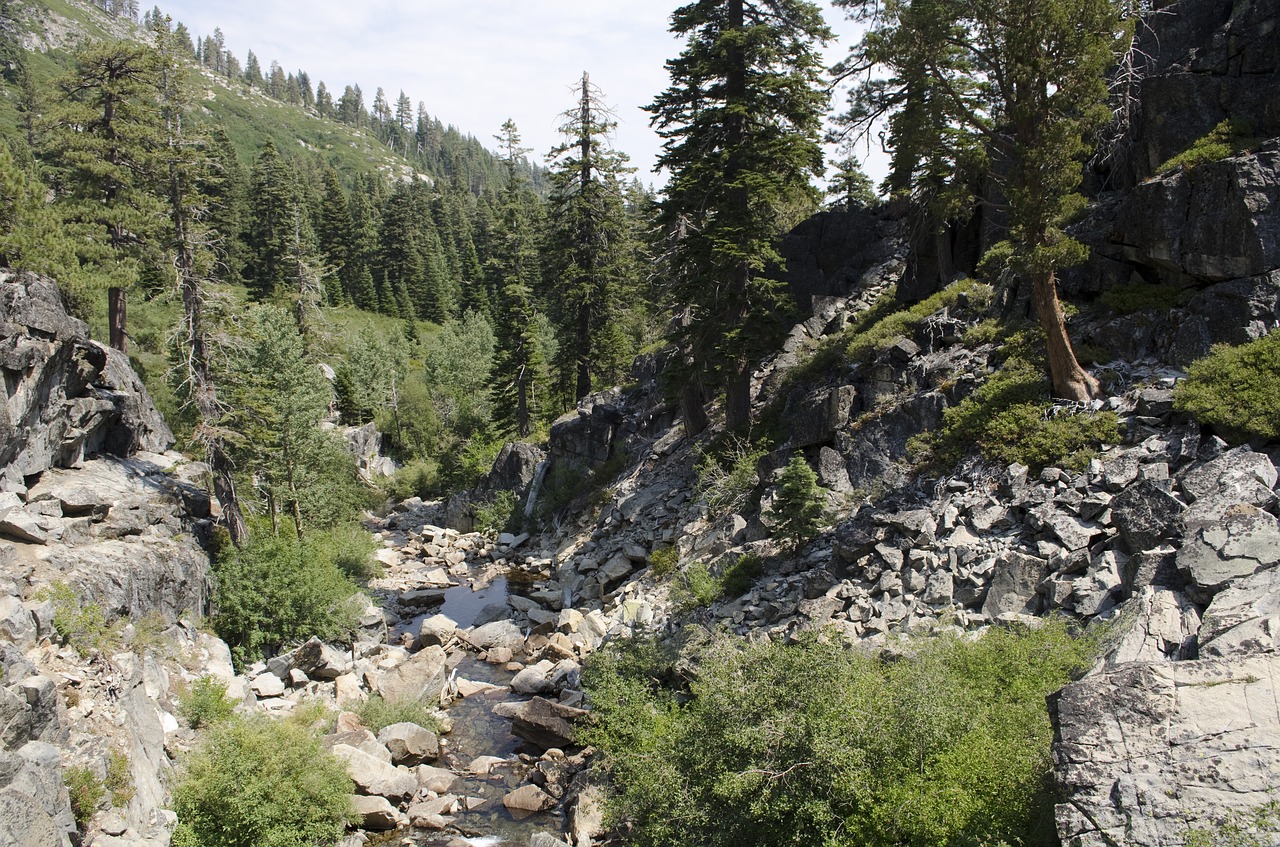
(375, 777)
(409, 743)
(815, 419)
(1148, 751)
(35, 809)
(1243, 618)
(528, 799)
(502, 633)
(535, 679)
(29, 712)
(420, 678)
(375, 813)
(545, 723)
(1146, 516)
(1244, 541)
(1239, 475)
(1013, 585)
(16, 623)
(320, 661)
(437, 629)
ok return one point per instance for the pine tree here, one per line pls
(741, 122)
(103, 141)
(333, 234)
(324, 101)
(252, 71)
(189, 242)
(799, 506)
(225, 185)
(273, 204)
(972, 90)
(589, 248)
(518, 366)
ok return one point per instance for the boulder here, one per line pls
(1245, 541)
(375, 813)
(543, 723)
(1146, 516)
(528, 799)
(35, 809)
(422, 677)
(320, 661)
(409, 743)
(503, 633)
(436, 780)
(16, 622)
(437, 629)
(1013, 585)
(375, 777)
(1238, 476)
(1244, 617)
(1150, 750)
(534, 679)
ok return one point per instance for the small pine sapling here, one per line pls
(800, 507)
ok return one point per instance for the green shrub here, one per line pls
(278, 591)
(695, 587)
(1223, 141)
(1233, 389)
(727, 474)
(256, 782)
(377, 713)
(86, 791)
(948, 743)
(419, 478)
(1139, 297)
(81, 625)
(500, 513)
(351, 547)
(205, 702)
(663, 561)
(741, 575)
(799, 506)
(119, 781)
(1009, 419)
(868, 338)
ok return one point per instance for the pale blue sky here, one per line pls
(474, 63)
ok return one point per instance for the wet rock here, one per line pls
(409, 744)
(502, 633)
(543, 723)
(528, 799)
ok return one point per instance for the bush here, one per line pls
(78, 623)
(1223, 141)
(377, 713)
(205, 702)
(1233, 389)
(727, 474)
(800, 506)
(1010, 418)
(1139, 297)
(280, 590)
(86, 791)
(261, 783)
(815, 744)
(419, 478)
(663, 561)
(351, 547)
(868, 338)
(119, 781)
(741, 575)
(500, 513)
(695, 587)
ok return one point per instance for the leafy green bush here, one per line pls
(256, 782)
(280, 590)
(377, 713)
(83, 625)
(694, 587)
(815, 744)
(1139, 297)
(500, 513)
(1009, 419)
(119, 780)
(419, 478)
(86, 791)
(1226, 139)
(351, 547)
(741, 575)
(663, 561)
(205, 702)
(800, 506)
(1233, 389)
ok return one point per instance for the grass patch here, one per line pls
(876, 331)
(377, 714)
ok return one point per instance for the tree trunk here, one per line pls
(1070, 382)
(117, 318)
(583, 340)
(693, 399)
(737, 398)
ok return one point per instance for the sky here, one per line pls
(475, 63)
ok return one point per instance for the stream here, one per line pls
(481, 819)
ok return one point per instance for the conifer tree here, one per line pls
(274, 206)
(589, 248)
(1009, 87)
(103, 142)
(189, 242)
(225, 184)
(740, 122)
(518, 366)
(333, 234)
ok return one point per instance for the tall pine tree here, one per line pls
(741, 121)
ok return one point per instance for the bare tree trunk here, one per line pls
(117, 317)
(693, 399)
(737, 398)
(1070, 382)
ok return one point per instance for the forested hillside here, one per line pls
(423, 269)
